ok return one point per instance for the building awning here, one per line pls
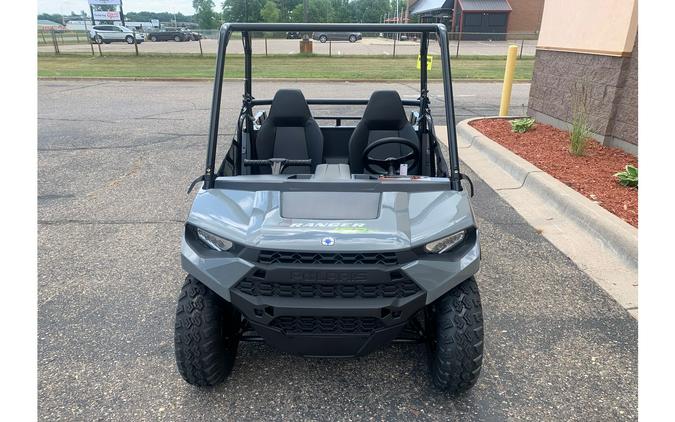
(485, 6)
(426, 6)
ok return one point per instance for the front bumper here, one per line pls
(329, 304)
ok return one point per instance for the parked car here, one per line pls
(105, 34)
(337, 36)
(293, 35)
(196, 36)
(166, 34)
(192, 35)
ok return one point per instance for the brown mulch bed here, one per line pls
(592, 175)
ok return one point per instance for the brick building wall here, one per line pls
(525, 16)
(611, 93)
(624, 126)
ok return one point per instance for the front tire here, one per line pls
(129, 39)
(352, 38)
(454, 325)
(206, 335)
(98, 39)
(177, 38)
(323, 39)
(153, 38)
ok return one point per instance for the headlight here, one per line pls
(213, 241)
(445, 244)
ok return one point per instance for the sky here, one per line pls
(65, 6)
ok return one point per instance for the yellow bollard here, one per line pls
(508, 80)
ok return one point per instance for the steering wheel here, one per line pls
(390, 163)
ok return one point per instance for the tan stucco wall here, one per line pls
(606, 27)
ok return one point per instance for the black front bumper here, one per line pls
(327, 305)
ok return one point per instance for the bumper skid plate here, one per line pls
(315, 311)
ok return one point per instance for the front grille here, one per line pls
(274, 257)
(330, 325)
(398, 285)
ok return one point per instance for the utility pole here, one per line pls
(306, 46)
(86, 31)
(122, 14)
(397, 16)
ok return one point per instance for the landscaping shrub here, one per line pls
(628, 177)
(580, 129)
(522, 125)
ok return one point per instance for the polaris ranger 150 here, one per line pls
(331, 240)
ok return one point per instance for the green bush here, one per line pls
(522, 125)
(580, 126)
(579, 137)
(628, 177)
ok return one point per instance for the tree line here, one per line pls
(207, 17)
(293, 11)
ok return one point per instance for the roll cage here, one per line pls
(246, 121)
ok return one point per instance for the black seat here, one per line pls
(289, 132)
(384, 117)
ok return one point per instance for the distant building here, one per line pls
(483, 18)
(141, 26)
(487, 19)
(525, 16)
(432, 11)
(78, 25)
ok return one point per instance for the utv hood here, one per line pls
(331, 220)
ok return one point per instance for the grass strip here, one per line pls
(273, 66)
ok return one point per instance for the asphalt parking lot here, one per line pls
(368, 46)
(114, 162)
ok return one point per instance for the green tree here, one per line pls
(51, 17)
(369, 10)
(270, 12)
(318, 11)
(204, 15)
(242, 10)
(340, 11)
(401, 8)
(285, 8)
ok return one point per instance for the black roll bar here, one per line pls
(449, 109)
(246, 28)
(209, 174)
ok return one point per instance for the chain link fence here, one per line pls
(205, 42)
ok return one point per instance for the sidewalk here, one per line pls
(599, 243)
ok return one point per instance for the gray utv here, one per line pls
(331, 240)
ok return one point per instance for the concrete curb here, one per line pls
(601, 244)
(615, 233)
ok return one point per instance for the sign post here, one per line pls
(106, 15)
(86, 31)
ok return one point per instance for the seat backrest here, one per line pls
(289, 132)
(384, 117)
